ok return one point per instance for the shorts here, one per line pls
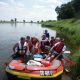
(56, 54)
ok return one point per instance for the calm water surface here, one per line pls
(11, 33)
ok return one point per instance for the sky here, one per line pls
(29, 9)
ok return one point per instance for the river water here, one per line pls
(11, 33)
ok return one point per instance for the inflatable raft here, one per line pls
(40, 70)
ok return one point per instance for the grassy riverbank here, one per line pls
(69, 29)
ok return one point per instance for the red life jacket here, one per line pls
(29, 44)
(59, 47)
(36, 47)
(52, 42)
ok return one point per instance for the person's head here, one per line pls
(28, 37)
(46, 31)
(22, 40)
(62, 40)
(35, 40)
(58, 39)
(43, 37)
(52, 38)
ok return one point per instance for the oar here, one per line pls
(58, 56)
(68, 52)
(68, 60)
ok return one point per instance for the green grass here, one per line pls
(69, 29)
(75, 57)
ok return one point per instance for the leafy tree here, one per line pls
(15, 20)
(12, 20)
(65, 11)
(24, 21)
(37, 21)
(42, 21)
(31, 21)
(76, 5)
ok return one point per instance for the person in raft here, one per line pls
(47, 34)
(36, 46)
(52, 41)
(20, 48)
(57, 49)
(43, 42)
(28, 40)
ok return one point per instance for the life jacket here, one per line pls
(52, 42)
(47, 35)
(29, 44)
(36, 47)
(22, 48)
(45, 42)
(58, 47)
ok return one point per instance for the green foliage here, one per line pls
(37, 21)
(75, 70)
(66, 11)
(12, 20)
(69, 10)
(75, 57)
(76, 5)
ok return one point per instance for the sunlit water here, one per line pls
(11, 33)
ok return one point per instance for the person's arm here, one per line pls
(15, 47)
(64, 48)
(27, 47)
(48, 36)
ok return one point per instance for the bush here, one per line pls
(75, 70)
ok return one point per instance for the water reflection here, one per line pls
(14, 24)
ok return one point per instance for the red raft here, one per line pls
(41, 70)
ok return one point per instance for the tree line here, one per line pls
(69, 10)
(15, 21)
